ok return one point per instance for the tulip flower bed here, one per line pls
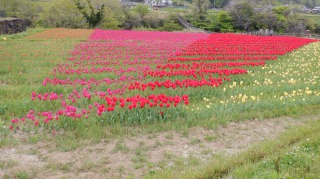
(130, 77)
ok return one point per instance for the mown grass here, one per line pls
(28, 32)
(288, 86)
(313, 17)
(294, 154)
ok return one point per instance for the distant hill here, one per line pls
(259, 3)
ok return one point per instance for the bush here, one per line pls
(170, 26)
(153, 21)
(141, 28)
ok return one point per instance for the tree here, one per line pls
(154, 20)
(30, 11)
(199, 8)
(296, 24)
(219, 3)
(142, 10)
(242, 14)
(281, 13)
(171, 24)
(265, 20)
(224, 22)
(282, 10)
(109, 22)
(92, 14)
(113, 16)
(20, 8)
(62, 13)
(10, 7)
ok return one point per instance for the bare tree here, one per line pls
(200, 9)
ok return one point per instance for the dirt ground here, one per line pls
(139, 155)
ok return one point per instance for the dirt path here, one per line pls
(136, 156)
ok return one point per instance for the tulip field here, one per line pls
(139, 78)
(92, 103)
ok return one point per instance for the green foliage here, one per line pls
(22, 175)
(132, 20)
(280, 19)
(297, 24)
(11, 7)
(154, 20)
(220, 3)
(317, 28)
(281, 23)
(282, 10)
(92, 14)
(224, 22)
(142, 28)
(62, 13)
(242, 15)
(142, 10)
(113, 16)
(201, 24)
(109, 22)
(137, 18)
(265, 20)
(199, 9)
(171, 23)
(20, 8)
(170, 26)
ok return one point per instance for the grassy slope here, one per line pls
(295, 153)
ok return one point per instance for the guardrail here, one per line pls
(188, 25)
(185, 23)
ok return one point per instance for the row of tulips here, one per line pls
(97, 70)
(73, 112)
(195, 73)
(160, 100)
(186, 83)
(201, 65)
(219, 56)
(88, 82)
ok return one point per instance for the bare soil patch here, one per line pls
(136, 156)
(62, 33)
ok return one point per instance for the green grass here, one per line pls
(28, 32)
(294, 154)
(313, 17)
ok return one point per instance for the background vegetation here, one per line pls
(282, 16)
